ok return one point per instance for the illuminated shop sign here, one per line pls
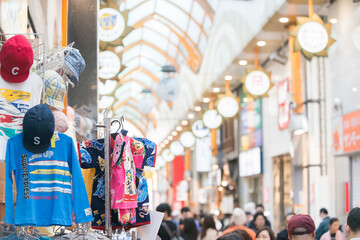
(111, 24)
(250, 162)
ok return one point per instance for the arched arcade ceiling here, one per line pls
(166, 32)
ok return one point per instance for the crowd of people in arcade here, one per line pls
(241, 225)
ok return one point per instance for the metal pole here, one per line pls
(108, 228)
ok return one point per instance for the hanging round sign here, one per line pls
(228, 106)
(313, 37)
(187, 139)
(176, 148)
(167, 155)
(111, 24)
(109, 65)
(257, 83)
(212, 119)
(199, 129)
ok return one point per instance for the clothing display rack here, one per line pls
(107, 134)
(38, 44)
(106, 126)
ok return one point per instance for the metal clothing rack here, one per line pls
(107, 135)
(106, 125)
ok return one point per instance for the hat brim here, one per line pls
(74, 77)
(14, 79)
(35, 148)
(54, 103)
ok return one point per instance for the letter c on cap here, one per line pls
(36, 140)
(13, 71)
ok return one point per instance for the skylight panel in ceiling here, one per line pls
(130, 54)
(194, 31)
(207, 25)
(173, 14)
(133, 36)
(153, 54)
(197, 13)
(131, 4)
(158, 26)
(145, 9)
(202, 44)
(145, 62)
(174, 39)
(183, 4)
(142, 77)
(172, 50)
(155, 38)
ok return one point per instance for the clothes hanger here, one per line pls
(28, 233)
(117, 121)
(82, 232)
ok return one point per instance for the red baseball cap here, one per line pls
(300, 224)
(16, 58)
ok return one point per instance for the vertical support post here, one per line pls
(311, 11)
(227, 87)
(64, 37)
(256, 57)
(107, 176)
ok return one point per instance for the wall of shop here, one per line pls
(276, 142)
(344, 58)
(47, 19)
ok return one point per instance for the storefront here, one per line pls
(251, 153)
(344, 59)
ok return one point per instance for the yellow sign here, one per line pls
(312, 36)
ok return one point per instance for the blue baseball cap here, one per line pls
(38, 128)
(76, 64)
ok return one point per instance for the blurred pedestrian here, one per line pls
(265, 233)
(175, 216)
(334, 233)
(258, 222)
(237, 221)
(186, 213)
(226, 221)
(283, 235)
(259, 208)
(189, 231)
(244, 235)
(208, 229)
(353, 224)
(301, 227)
(168, 229)
(249, 218)
(230, 236)
(324, 225)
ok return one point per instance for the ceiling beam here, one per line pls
(156, 48)
(143, 70)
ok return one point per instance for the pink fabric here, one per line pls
(123, 183)
(138, 152)
(61, 121)
(127, 216)
(338, 236)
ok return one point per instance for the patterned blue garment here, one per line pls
(92, 156)
(143, 211)
(50, 186)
